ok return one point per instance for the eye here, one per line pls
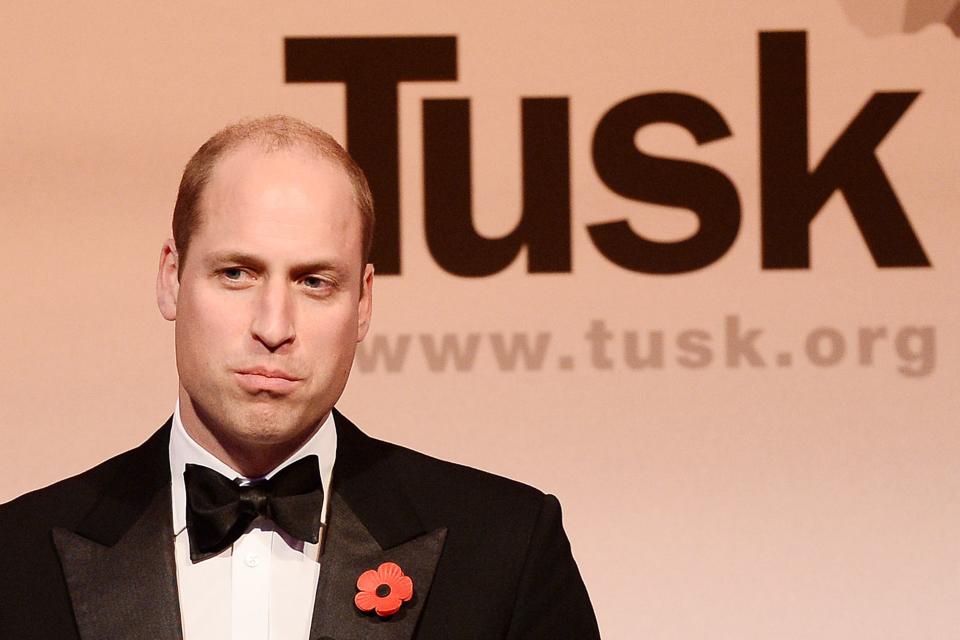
(235, 275)
(315, 282)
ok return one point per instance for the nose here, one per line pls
(273, 319)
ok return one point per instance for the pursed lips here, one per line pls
(260, 379)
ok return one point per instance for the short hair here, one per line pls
(271, 133)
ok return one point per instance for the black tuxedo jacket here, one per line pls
(91, 557)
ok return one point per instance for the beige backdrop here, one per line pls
(801, 501)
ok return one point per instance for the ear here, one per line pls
(365, 305)
(168, 282)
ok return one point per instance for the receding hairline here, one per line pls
(301, 151)
(268, 134)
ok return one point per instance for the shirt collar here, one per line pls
(185, 450)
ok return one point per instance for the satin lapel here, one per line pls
(118, 564)
(128, 590)
(349, 550)
(371, 521)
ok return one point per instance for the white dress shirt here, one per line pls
(261, 588)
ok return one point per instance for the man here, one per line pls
(258, 511)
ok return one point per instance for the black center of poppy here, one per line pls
(383, 590)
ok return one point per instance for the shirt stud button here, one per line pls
(252, 560)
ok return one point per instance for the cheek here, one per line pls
(206, 321)
(333, 334)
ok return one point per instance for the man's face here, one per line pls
(270, 305)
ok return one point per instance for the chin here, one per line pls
(270, 425)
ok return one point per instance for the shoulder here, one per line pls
(481, 510)
(65, 503)
(440, 481)
(465, 500)
(459, 485)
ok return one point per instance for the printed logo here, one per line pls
(794, 187)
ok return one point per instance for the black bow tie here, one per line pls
(219, 510)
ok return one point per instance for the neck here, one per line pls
(249, 458)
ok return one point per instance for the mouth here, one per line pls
(259, 379)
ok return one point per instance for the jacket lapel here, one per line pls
(121, 573)
(118, 563)
(371, 521)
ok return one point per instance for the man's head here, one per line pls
(263, 283)
(271, 133)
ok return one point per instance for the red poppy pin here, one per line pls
(383, 590)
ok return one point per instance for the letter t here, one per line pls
(372, 68)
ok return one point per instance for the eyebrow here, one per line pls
(247, 259)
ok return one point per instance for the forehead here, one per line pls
(288, 201)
